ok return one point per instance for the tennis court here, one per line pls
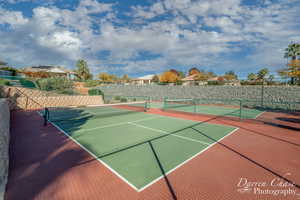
(140, 148)
(205, 107)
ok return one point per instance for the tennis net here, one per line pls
(178, 103)
(72, 114)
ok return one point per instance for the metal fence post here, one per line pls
(262, 94)
(241, 104)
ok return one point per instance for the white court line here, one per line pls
(119, 175)
(116, 124)
(157, 179)
(97, 113)
(93, 155)
(98, 159)
(161, 131)
(259, 114)
(199, 122)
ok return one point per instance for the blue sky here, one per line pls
(139, 37)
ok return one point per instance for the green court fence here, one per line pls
(240, 108)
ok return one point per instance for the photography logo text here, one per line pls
(276, 187)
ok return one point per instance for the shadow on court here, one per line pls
(33, 151)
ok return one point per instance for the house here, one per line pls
(192, 80)
(189, 80)
(50, 70)
(144, 80)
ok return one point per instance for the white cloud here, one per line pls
(12, 17)
(195, 33)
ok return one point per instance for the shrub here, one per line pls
(56, 83)
(123, 100)
(93, 92)
(162, 83)
(179, 82)
(91, 83)
(117, 98)
(215, 83)
(4, 82)
(67, 91)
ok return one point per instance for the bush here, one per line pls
(94, 92)
(215, 83)
(57, 83)
(91, 83)
(123, 100)
(179, 82)
(162, 83)
(68, 92)
(4, 82)
(117, 98)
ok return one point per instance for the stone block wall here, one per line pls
(4, 144)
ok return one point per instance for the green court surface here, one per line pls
(134, 145)
(246, 113)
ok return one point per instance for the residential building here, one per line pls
(144, 80)
(51, 70)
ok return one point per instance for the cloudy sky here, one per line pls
(141, 37)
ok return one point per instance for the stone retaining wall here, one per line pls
(157, 92)
(24, 98)
(4, 144)
(58, 101)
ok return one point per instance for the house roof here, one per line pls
(189, 78)
(49, 69)
(213, 78)
(147, 77)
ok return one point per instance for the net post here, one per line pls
(149, 102)
(165, 103)
(46, 116)
(262, 94)
(241, 105)
(195, 105)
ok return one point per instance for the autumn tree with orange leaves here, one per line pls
(169, 77)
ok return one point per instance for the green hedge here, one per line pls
(94, 92)
(91, 83)
(55, 83)
(4, 82)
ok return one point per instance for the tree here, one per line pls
(169, 77)
(293, 52)
(230, 76)
(82, 71)
(202, 77)
(261, 75)
(271, 78)
(175, 72)
(252, 77)
(155, 79)
(108, 78)
(211, 74)
(125, 78)
(193, 71)
(181, 74)
(292, 71)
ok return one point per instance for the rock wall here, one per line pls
(157, 92)
(4, 144)
(28, 99)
